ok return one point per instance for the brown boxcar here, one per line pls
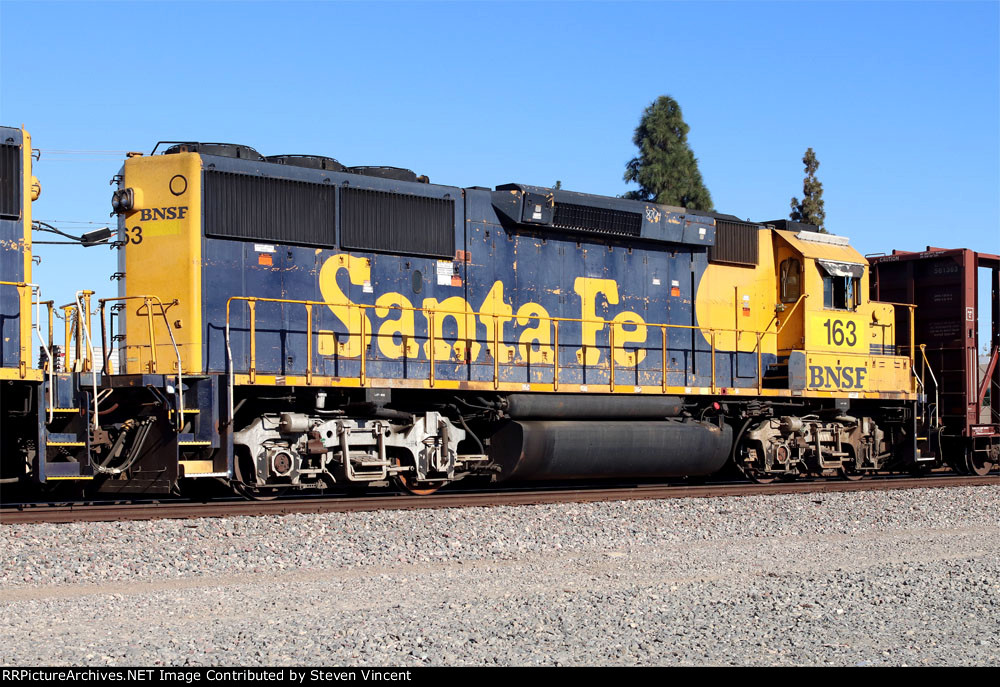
(944, 285)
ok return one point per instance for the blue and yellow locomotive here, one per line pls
(21, 379)
(289, 322)
(48, 430)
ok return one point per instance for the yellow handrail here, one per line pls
(431, 314)
(23, 358)
(927, 367)
(147, 303)
(710, 333)
(788, 318)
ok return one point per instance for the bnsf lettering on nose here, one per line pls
(826, 377)
(163, 213)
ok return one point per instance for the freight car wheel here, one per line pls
(959, 465)
(978, 463)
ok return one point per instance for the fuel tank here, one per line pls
(579, 449)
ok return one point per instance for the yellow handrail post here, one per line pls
(48, 306)
(496, 353)
(77, 337)
(105, 350)
(88, 364)
(364, 349)
(24, 348)
(923, 371)
(67, 337)
(663, 358)
(760, 363)
(611, 356)
(430, 343)
(152, 336)
(252, 304)
(713, 361)
(309, 343)
(912, 338)
(555, 361)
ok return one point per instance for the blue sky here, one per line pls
(900, 100)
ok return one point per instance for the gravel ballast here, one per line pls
(869, 578)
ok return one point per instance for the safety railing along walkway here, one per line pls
(357, 313)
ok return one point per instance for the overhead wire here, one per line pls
(78, 155)
(82, 152)
(38, 225)
(71, 221)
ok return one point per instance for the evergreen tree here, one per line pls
(810, 210)
(666, 168)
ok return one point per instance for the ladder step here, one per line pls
(65, 470)
(62, 437)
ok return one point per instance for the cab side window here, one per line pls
(791, 280)
(841, 293)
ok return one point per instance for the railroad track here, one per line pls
(44, 513)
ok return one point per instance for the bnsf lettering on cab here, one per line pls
(827, 377)
(151, 214)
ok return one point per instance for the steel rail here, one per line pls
(184, 510)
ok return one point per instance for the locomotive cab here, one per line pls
(832, 336)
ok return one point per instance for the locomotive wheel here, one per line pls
(252, 492)
(259, 493)
(849, 470)
(756, 476)
(850, 474)
(412, 486)
(416, 488)
(759, 477)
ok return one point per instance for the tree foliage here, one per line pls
(810, 209)
(666, 168)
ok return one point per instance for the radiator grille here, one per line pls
(597, 220)
(735, 242)
(240, 206)
(397, 223)
(10, 181)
